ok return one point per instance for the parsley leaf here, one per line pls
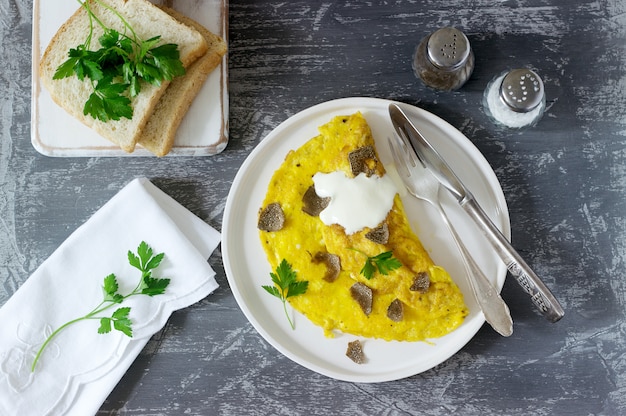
(81, 63)
(110, 39)
(383, 262)
(66, 69)
(110, 288)
(166, 59)
(108, 101)
(368, 269)
(110, 285)
(105, 326)
(153, 287)
(286, 285)
(121, 321)
(144, 260)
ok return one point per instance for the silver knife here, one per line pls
(430, 158)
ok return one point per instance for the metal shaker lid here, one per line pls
(448, 48)
(522, 90)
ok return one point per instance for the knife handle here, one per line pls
(528, 280)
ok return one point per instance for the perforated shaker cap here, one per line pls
(522, 90)
(448, 48)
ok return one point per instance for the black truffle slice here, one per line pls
(312, 203)
(395, 311)
(271, 218)
(355, 352)
(363, 296)
(421, 283)
(363, 160)
(379, 235)
(333, 265)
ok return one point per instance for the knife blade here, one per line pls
(539, 293)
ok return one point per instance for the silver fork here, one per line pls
(423, 185)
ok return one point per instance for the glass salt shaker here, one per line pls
(515, 98)
(444, 60)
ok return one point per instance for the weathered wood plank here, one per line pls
(565, 183)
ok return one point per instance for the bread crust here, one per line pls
(159, 133)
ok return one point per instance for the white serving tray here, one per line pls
(203, 131)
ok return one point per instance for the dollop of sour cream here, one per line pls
(355, 203)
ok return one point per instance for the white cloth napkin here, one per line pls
(80, 367)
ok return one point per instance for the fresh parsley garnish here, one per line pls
(286, 285)
(383, 262)
(117, 69)
(145, 261)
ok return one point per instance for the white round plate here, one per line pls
(247, 267)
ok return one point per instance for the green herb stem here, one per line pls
(293, 326)
(127, 25)
(98, 309)
(285, 286)
(52, 335)
(87, 43)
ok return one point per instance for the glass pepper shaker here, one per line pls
(444, 60)
(515, 98)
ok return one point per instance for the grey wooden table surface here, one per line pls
(564, 182)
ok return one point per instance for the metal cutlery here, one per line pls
(423, 185)
(541, 296)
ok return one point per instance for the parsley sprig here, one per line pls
(145, 261)
(383, 262)
(117, 69)
(286, 285)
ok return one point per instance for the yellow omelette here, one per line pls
(415, 302)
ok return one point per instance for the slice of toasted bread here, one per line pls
(147, 20)
(159, 132)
